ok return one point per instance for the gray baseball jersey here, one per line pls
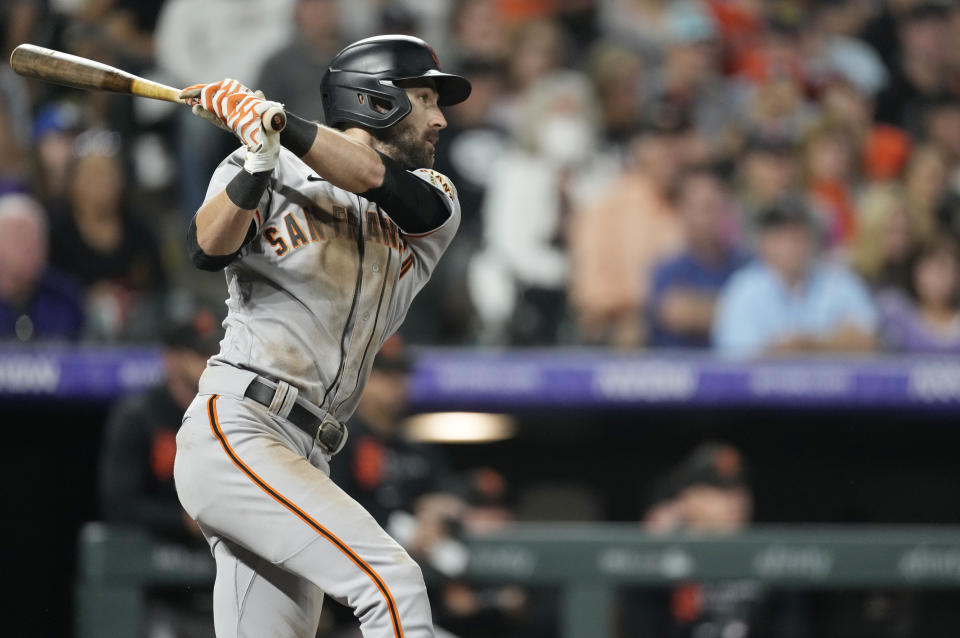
(323, 283)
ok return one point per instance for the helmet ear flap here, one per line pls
(381, 105)
(387, 110)
(354, 98)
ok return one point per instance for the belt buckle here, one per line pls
(331, 435)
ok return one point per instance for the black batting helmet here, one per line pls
(365, 72)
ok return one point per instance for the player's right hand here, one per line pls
(235, 107)
(202, 98)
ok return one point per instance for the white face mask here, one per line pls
(565, 140)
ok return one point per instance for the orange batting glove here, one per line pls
(233, 107)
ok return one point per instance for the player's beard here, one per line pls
(406, 145)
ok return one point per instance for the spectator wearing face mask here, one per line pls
(518, 281)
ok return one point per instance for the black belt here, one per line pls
(327, 431)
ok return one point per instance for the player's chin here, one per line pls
(429, 154)
(427, 157)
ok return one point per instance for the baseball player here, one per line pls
(326, 233)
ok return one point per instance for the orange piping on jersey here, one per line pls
(323, 531)
(259, 220)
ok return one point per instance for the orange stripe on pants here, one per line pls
(359, 562)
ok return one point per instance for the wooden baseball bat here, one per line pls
(81, 73)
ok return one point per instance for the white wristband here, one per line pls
(265, 160)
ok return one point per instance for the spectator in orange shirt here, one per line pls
(616, 240)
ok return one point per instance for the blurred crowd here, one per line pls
(753, 176)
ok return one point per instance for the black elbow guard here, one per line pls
(213, 263)
(413, 204)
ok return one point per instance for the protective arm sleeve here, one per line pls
(415, 206)
(213, 263)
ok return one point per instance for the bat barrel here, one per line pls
(70, 70)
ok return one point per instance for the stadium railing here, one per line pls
(587, 562)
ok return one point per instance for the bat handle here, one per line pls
(274, 119)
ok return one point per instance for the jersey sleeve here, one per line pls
(422, 252)
(441, 235)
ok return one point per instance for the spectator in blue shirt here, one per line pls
(685, 288)
(35, 302)
(791, 299)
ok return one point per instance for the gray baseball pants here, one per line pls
(282, 533)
